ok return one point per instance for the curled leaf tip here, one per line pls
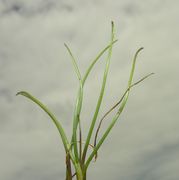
(19, 93)
(140, 49)
(23, 93)
(152, 73)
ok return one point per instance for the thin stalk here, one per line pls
(96, 59)
(116, 115)
(55, 121)
(113, 107)
(78, 106)
(100, 96)
(80, 141)
(68, 167)
(83, 81)
(79, 173)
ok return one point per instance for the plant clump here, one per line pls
(77, 160)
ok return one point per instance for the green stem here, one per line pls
(100, 96)
(54, 119)
(79, 173)
(78, 105)
(56, 122)
(117, 114)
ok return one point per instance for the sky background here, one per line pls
(144, 144)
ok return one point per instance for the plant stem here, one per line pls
(68, 168)
(100, 96)
(79, 173)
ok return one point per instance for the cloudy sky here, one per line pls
(144, 143)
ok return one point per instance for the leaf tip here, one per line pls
(23, 93)
(18, 93)
(112, 23)
(140, 49)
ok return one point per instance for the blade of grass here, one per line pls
(60, 129)
(76, 118)
(80, 140)
(100, 96)
(86, 75)
(53, 118)
(74, 62)
(115, 106)
(95, 60)
(116, 115)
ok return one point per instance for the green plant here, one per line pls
(76, 154)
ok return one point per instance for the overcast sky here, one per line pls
(144, 144)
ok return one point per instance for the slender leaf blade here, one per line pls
(54, 119)
(100, 96)
(115, 118)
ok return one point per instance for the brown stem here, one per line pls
(111, 109)
(68, 167)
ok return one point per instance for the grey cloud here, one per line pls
(34, 8)
(132, 9)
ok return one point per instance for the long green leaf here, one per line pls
(54, 119)
(78, 105)
(95, 60)
(74, 62)
(100, 96)
(115, 106)
(116, 115)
